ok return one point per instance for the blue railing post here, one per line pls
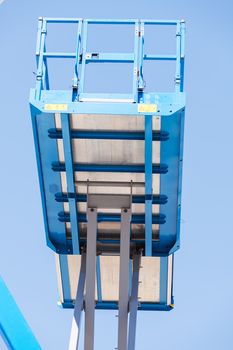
(40, 57)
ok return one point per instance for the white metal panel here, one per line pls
(59, 277)
(149, 277)
(110, 152)
(109, 267)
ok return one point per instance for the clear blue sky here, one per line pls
(203, 314)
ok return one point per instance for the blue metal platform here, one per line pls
(70, 130)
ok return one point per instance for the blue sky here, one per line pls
(202, 318)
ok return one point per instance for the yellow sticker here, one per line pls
(55, 107)
(147, 108)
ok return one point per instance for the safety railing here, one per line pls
(82, 57)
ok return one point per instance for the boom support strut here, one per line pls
(127, 304)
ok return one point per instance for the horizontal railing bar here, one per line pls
(82, 198)
(62, 20)
(132, 21)
(59, 54)
(111, 21)
(103, 57)
(118, 168)
(109, 57)
(109, 217)
(160, 22)
(109, 135)
(160, 57)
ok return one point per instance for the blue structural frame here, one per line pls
(13, 327)
(44, 103)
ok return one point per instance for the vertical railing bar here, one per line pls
(135, 68)
(84, 49)
(182, 54)
(39, 73)
(45, 70)
(178, 59)
(141, 57)
(77, 58)
(38, 41)
(46, 74)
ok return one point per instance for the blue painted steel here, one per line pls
(98, 279)
(148, 184)
(115, 168)
(141, 83)
(109, 135)
(163, 279)
(169, 107)
(50, 182)
(65, 123)
(107, 217)
(167, 103)
(179, 192)
(63, 260)
(13, 327)
(84, 49)
(156, 199)
(114, 306)
(77, 55)
(135, 60)
(82, 57)
(40, 59)
(110, 57)
(170, 183)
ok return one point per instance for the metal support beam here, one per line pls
(78, 308)
(13, 327)
(90, 279)
(65, 122)
(124, 279)
(149, 183)
(133, 304)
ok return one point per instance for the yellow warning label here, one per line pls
(56, 107)
(147, 108)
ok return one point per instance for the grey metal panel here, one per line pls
(108, 201)
(110, 151)
(149, 277)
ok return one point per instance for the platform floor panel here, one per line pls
(87, 137)
(155, 278)
(110, 152)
